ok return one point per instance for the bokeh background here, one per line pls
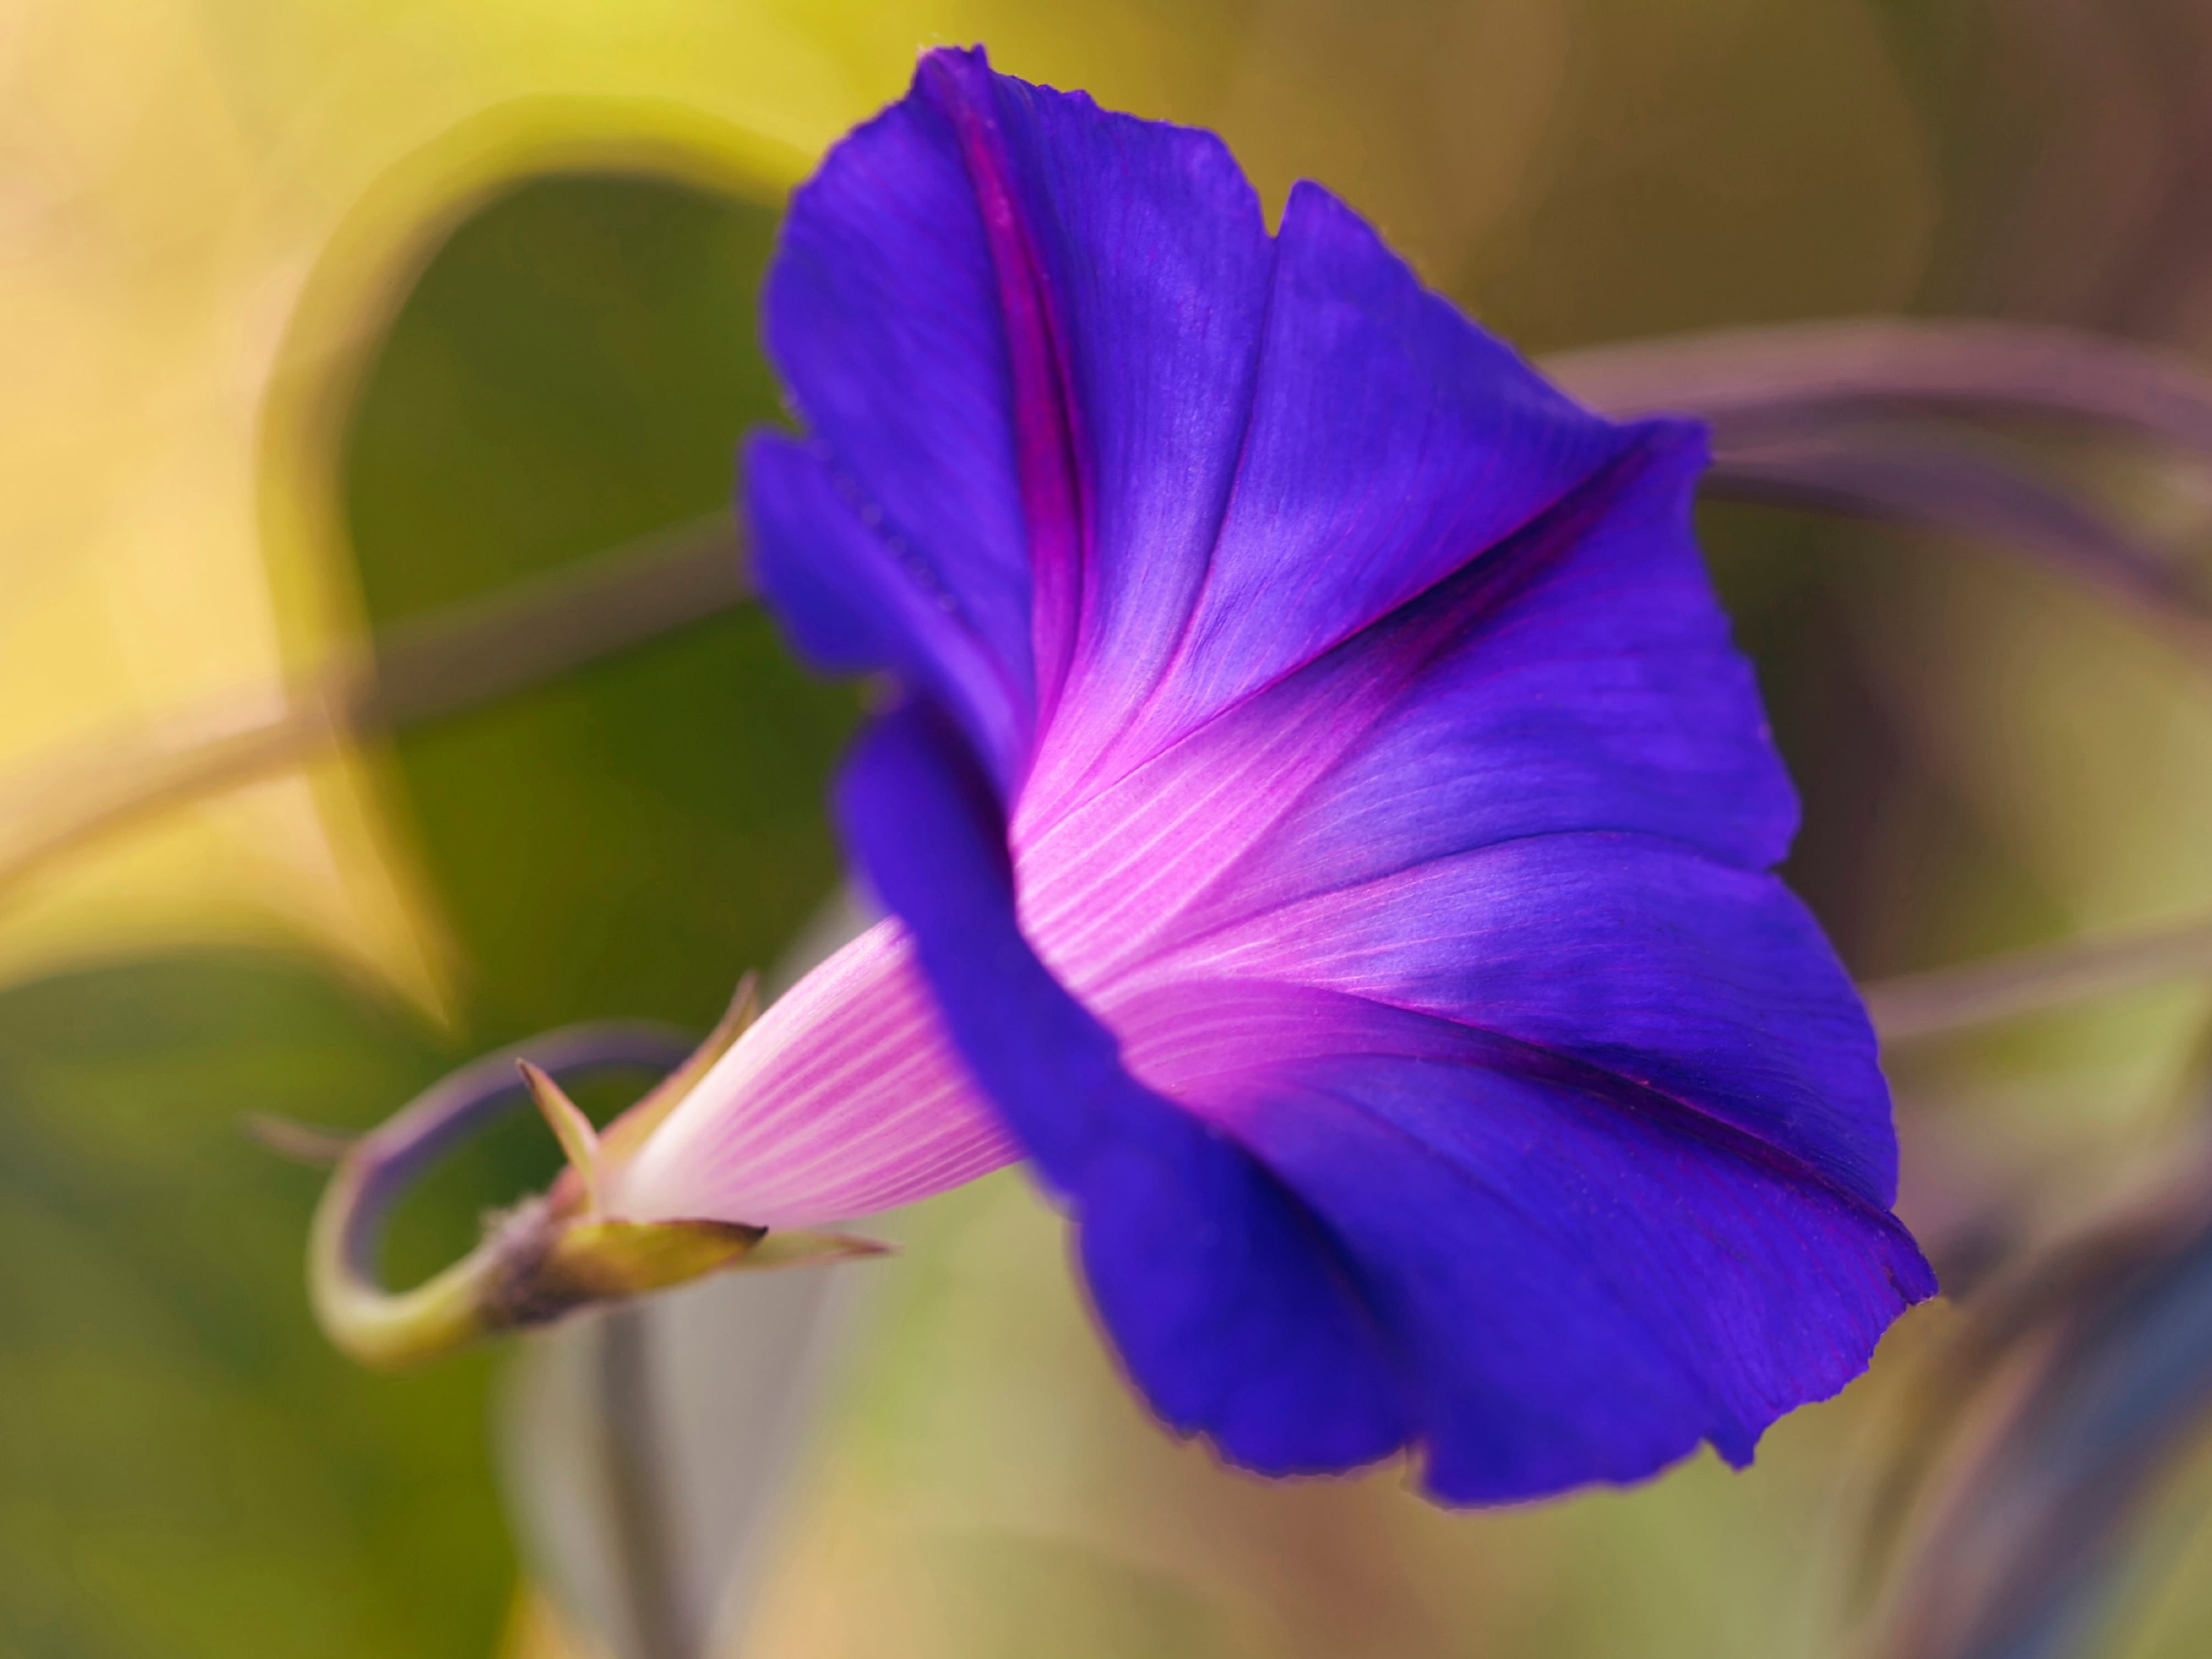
(319, 317)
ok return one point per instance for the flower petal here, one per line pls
(1577, 676)
(1232, 1311)
(881, 310)
(1139, 447)
(1391, 441)
(968, 271)
(1584, 1278)
(844, 1100)
(1706, 983)
(853, 605)
(1599, 692)
(1133, 267)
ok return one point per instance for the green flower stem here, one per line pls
(497, 1284)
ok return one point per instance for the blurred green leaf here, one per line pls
(574, 369)
(185, 1467)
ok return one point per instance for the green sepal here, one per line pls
(536, 1266)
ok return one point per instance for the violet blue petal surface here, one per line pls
(1329, 815)
(1236, 1313)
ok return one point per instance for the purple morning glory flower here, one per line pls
(1329, 830)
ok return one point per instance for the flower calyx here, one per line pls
(554, 1253)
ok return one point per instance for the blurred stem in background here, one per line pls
(445, 665)
(2009, 1516)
